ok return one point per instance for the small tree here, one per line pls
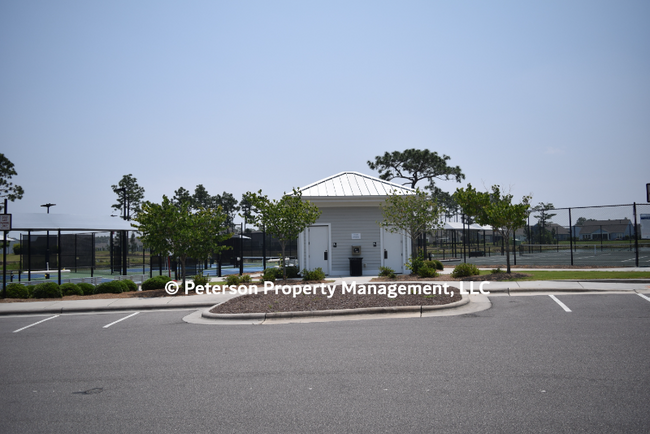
(175, 229)
(285, 219)
(414, 214)
(7, 188)
(496, 210)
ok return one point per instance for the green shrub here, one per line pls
(387, 272)
(112, 287)
(17, 290)
(47, 290)
(427, 271)
(415, 263)
(87, 288)
(316, 274)
(245, 278)
(17, 248)
(130, 285)
(435, 264)
(232, 279)
(156, 282)
(465, 270)
(200, 279)
(498, 270)
(71, 289)
(270, 274)
(292, 272)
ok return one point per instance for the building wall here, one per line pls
(343, 222)
(354, 220)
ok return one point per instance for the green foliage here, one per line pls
(71, 289)
(133, 193)
(387, 272)
(421, 267)
(498, 270)
(200, 279)
(87, 288)
(17, 248)
(415, 263)
(47, 290)
(427, 270)
(112, 287)
(178, 229)
(245, 278)
(130, 285)
(270, 274)
(7, 188)
(496, 210)
(292, 272)
(415, 165)
(17, 290)
(465, 270)
(285, 219)
(316, 274)
(232, 279)
(156, 282)
(414, 214)
(437, 265)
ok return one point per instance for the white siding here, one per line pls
(346, 221)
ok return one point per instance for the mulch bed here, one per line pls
(272, 302)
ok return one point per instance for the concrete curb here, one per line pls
(333, 312)
(64, 310)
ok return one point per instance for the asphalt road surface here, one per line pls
(576, 363)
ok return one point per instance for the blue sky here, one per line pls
(545, 98)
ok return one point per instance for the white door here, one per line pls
(318, 248)
(393, 251)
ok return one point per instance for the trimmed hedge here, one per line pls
(47, 290)
(157, 282)
(87, 288)
(17, 290)
(71, 289)
(130, 285)
(112, 287)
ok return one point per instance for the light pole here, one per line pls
(47, 245)
(125, 216)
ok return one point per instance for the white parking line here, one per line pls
(115, 322)
(562, 305)
(646, 297)
(31, 325)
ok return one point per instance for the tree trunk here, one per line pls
(284, 267)
(506, 237)
(182, 259)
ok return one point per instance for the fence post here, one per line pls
(570, 237)
(636, 237)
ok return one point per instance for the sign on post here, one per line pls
(5, 222)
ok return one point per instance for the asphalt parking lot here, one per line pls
(530, 363)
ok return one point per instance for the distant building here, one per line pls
(604, 230)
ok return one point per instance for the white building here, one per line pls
(347, 239)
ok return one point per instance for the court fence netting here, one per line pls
(596, 236)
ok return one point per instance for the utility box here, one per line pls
(356, 250)
(356, 266)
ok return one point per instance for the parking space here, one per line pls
(546, 305)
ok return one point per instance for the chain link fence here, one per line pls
(598, 236)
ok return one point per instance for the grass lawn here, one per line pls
(581, 275)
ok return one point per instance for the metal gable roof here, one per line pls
(353, 184)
